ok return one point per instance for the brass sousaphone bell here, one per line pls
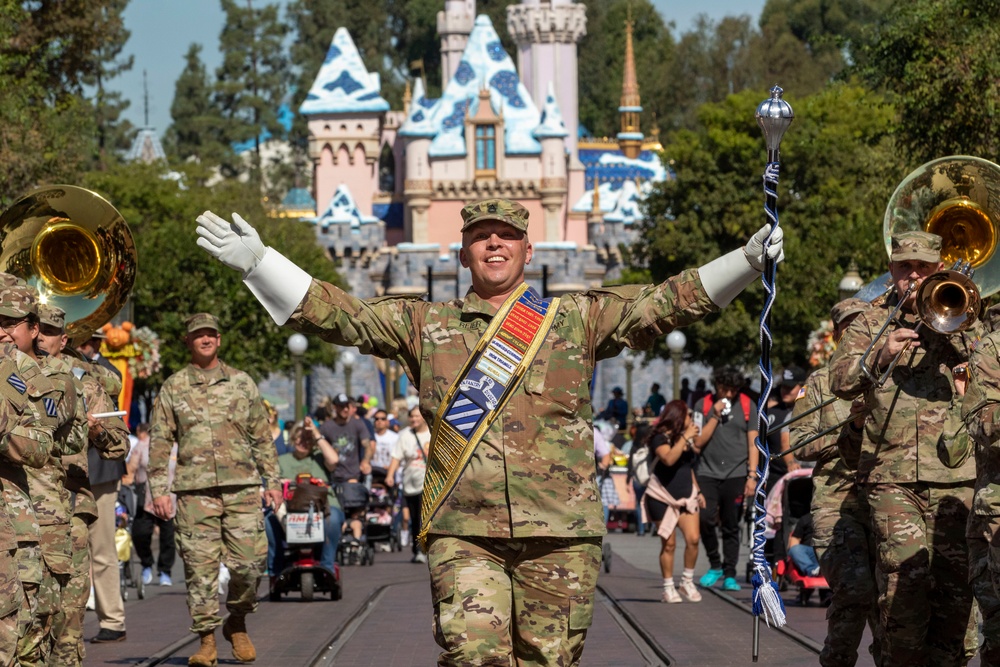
(73, 247)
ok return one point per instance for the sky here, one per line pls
(163, 31)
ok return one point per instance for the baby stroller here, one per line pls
(796, 500)
(124, 511)
(354, 500)
(381, 529)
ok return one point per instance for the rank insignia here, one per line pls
(50, 406)
(17, 383)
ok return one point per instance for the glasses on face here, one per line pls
(380, 419)
(11, 323)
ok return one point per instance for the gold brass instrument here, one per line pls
(73, 247)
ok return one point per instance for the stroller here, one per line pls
(381, 528)
(796, 500)
(124, 511)
(355, 501)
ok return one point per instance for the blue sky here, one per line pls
(162, 32)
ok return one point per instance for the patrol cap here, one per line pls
(922, 246)
(10, 280)
(503, 210)
(341, 399)
(18, 301)
(52, 316)
(791, 376)
(841, 311)
(202, 321)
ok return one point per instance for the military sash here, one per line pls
(481, 391)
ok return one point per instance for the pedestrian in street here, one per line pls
(639, 469)
(919, 506)
(224, 453)
(672, 498)
(617, 410)
(410, 455)
(385, 442)
(654, 402)
(145, 520)
(511, 517)
(355, 447)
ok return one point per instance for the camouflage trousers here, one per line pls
(31, 571)
(512, 602)
(67, 623)
(983, 577)
(221, 525)
(925, 600)
(845, 548)
(11, 603)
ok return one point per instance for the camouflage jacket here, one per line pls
(219, 422)
(981, 414)
(31, 402)
(909, 414)
(99, 387)
(833, 480)
(533, 474)
(47, 485)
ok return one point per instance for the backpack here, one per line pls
(642, 466)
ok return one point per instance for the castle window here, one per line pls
(486, 150)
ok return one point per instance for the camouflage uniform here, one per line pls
(224, 452)
(843, 537)
(981, 416)
(919, 506)
(530, 486)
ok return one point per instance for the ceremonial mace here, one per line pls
(774, 115)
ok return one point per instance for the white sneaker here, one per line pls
(671, 595)
(223, 578)
(91, 601)
(689, 591)
(404, 538)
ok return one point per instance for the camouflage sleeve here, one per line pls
(163, 434)
(847, 380)
(65, 435)
(849, 444)
(112, 443)
(29, 402)
(262, 444)
(76, 442)
(383, 327)
(636, 315)
(982, 397)
(807, 427)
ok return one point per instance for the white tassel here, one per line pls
(767, 600)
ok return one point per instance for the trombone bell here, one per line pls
(948, 301)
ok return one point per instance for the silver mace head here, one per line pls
(774, 115)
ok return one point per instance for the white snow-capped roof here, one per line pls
(418, 120)
(343, 211)
(620, 201)
(146, 147)
(343, 84)
(484, 64)
(551, 123)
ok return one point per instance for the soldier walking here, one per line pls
(512, 519)
(217, 418)
(843, 538)
(919, 506)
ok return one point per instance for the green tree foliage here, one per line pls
(113, 133)
(838, 170)
(193, 132)
(937, 59)
(252, 82)
(602, 59)
(177, 278)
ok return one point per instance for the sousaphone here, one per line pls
(73, 247)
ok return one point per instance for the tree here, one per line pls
(177, 278)
(937, 60)
(112, 132)
(194, 132)
(838, 170)
(252, 82)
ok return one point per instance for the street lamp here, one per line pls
(851, 282)
(629, 358)
(297, 345)
(347, 361)
(676, 340)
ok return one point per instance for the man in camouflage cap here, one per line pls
(843, 537)
(919, 507)
(224, 452)
(528, 493)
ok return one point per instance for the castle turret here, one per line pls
(417, 133)
(454, 25)
(630, 137)
(551, 133)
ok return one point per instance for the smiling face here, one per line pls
(20, 331)
(204, 347)
(496, 254)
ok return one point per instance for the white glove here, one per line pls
(754, 249)
(236, 244)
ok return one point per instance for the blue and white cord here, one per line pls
(766, 600)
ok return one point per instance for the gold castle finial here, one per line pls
(407, 98)
(596, 205)
(630, 137)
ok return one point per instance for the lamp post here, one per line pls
(676, 340)
(347, 361)
(851, 282)
(297, 345)
(629, 358)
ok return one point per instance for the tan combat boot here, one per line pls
(235, 632)
(206, 655)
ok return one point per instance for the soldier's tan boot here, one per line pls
(207, 656)
(235, 632)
